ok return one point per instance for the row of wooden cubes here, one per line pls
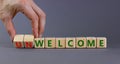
(28, 41)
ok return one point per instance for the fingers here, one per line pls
(28, 11)
(41, 17)
(9, 26)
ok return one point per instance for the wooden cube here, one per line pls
(70, 42)
(101, 42)
(50, 42)
(29, 41)
(81, 42)
(18, 41)
(39, 42)
(91, 42)
(60, 43)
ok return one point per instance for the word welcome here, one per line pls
(28, 41)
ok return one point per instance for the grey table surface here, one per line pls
(11, 55)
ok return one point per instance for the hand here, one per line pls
(9, 8)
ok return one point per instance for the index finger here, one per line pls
(28, 11)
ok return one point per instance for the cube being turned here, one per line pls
(18, 41)
(29, 41)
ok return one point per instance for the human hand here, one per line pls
(9, 8)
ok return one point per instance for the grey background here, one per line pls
(68, 18)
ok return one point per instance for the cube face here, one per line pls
(29, 41)
(70, 42)
(50, 42)
(18, 41)
(101, 42)
(81, 42)
(39, 42)
(91, 42)
(19, 44)
(60, 42)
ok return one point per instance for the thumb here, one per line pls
(9, 27)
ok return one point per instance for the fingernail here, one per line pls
(36, 36)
